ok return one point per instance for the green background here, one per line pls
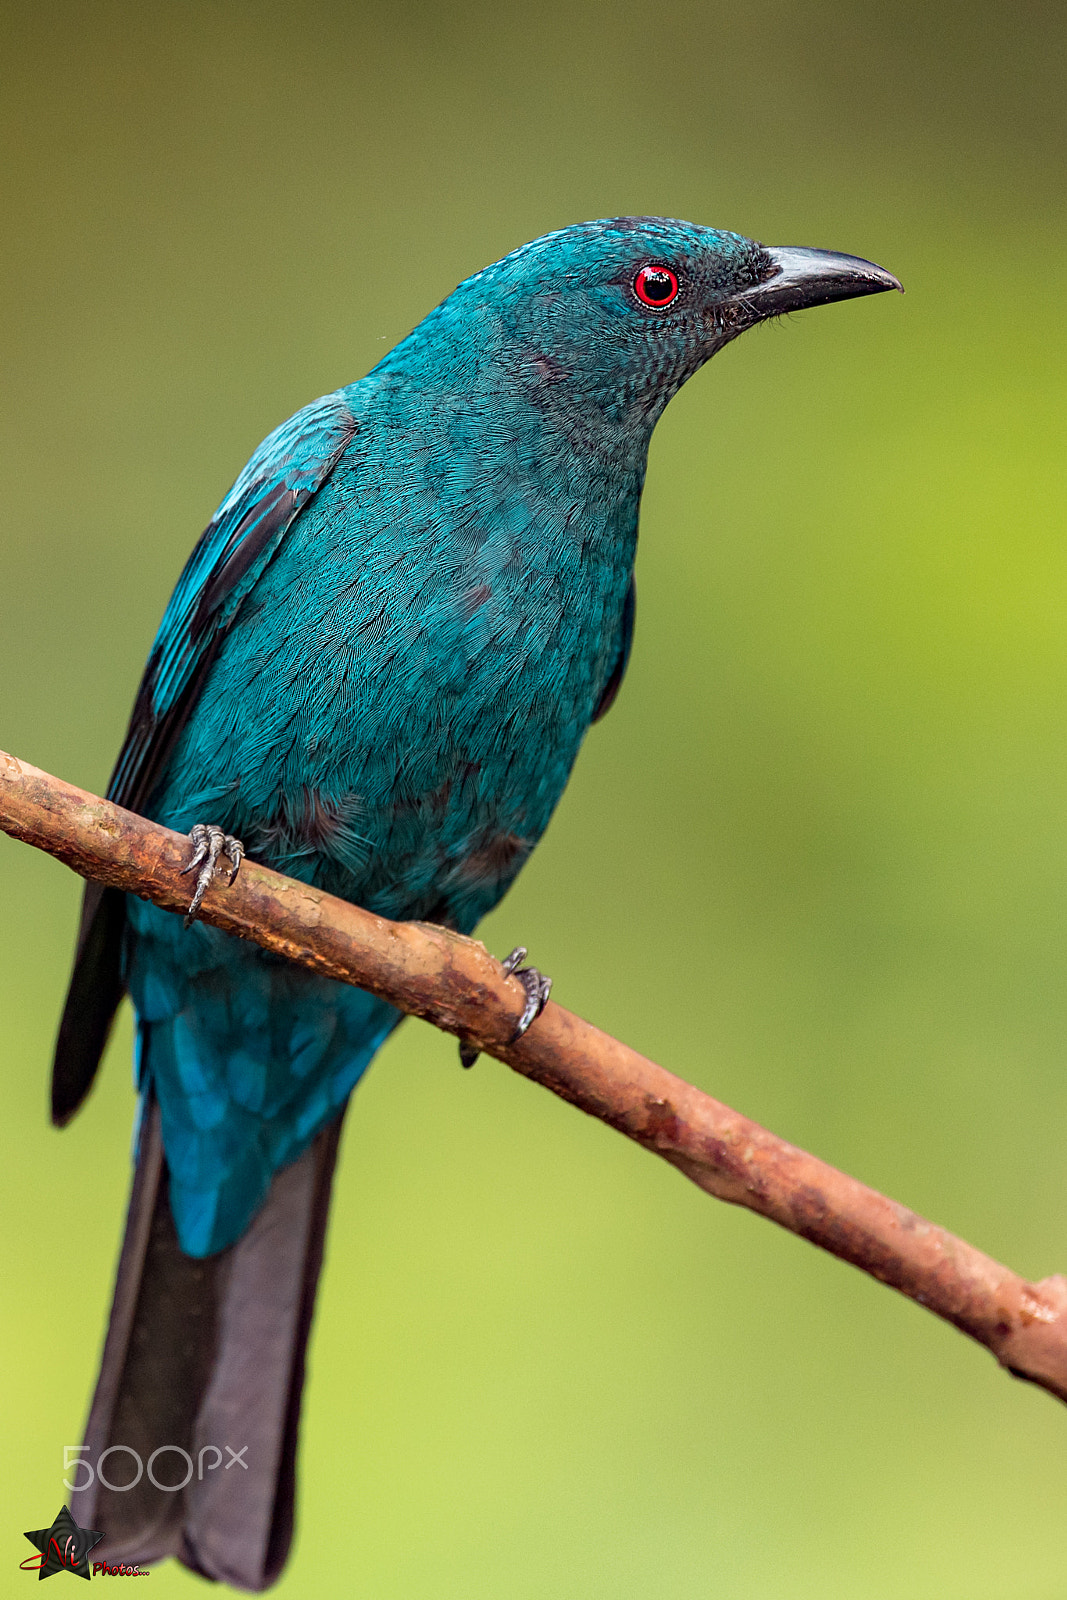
(815, 860)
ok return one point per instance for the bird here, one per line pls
(374, 674)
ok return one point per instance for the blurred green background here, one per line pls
(815, 860)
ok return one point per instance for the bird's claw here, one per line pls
(538, 988)
(209, 843)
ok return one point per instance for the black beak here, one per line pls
(802, 278)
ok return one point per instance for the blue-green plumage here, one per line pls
(381, 660)
(414, 665)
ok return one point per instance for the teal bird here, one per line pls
(375, 674)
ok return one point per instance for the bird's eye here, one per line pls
(656, 287)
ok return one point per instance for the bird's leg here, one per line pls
(209, 843)
(538, 988)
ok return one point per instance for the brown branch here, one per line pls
(454, 983)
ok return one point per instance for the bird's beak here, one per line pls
(812, 278)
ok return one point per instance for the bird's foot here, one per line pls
(209, 843)
(538, 988)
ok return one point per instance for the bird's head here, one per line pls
(619, 313)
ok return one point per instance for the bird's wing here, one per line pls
(245, 532)
(618, 672)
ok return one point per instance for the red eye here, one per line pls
(656, 287)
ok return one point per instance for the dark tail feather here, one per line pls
(206, 1356)
(96, 988)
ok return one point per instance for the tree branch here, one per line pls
(454, 983)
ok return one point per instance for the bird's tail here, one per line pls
(190, 1447)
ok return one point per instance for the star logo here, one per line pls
(63, 1546)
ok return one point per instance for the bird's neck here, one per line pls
(508, 384)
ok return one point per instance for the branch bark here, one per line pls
(455, 984)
